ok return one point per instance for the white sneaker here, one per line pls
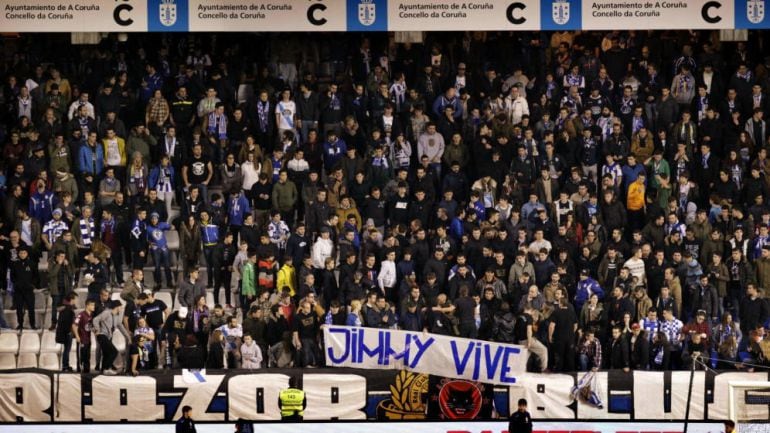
(110, 372)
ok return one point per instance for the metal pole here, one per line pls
(689, 397)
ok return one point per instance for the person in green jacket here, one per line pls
(285, 197)
(249, 283)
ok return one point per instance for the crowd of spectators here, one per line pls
(597, 197)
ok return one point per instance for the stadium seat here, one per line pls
(42, 265)
(210, 299)
(49, 361)
(42, 318)
(122, 345)
(29, 347)
(10, 318)
(166, 298)
(29, 342)
(27, 360)
(80, 302)
(244, 91)
(174, 214)
(9, 343)
(48, 343)
(172, 237)
(7, 361)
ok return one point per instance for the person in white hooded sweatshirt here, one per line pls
(251, 354)
(322, 248)
(386, 279)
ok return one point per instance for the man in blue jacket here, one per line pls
(156, 237)
(237, 209)
(91, 163)
(41, 203)
(334, 150)
(585, 288)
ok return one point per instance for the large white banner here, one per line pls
(405, 427)
(267, 15)
(441, 15)
(461, 358)
(73, 16)
(656, 14)
(375, 15)
(346, 394)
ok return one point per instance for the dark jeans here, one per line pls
(109, 352)
(212, 274)
(56, 301)
(24, 299)
(226, 278)
(161, 258)
(563, 356)
(468, 330)
(137, 261)
(84, 357)
(308, 355)
(65, 356)
(116, 260)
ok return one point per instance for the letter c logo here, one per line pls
(119, 19)
(311, 14)
(707, 8)
(511, 9)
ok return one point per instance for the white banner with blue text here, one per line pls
(461, 358)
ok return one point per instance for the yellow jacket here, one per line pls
(121, 150)
(287, 278)
(635, 199)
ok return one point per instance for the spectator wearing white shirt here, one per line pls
(386, 279)
(322, 248)
(81, 102)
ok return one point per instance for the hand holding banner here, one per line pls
(461, 358)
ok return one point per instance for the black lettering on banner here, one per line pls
(706, 9)
(120, 18)
(260, 400)
(19, 395)
(312, 16)
(511, 9)
(123, 397)
(335, 395)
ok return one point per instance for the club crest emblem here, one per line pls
(560, 12)
(755, 11)
(367, 12)
(167, 12)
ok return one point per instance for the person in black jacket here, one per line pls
(216, 351)
(191, 354)
(753, 309)
(139, 241)
(23, 277)
(617, 306)
(640, 348)
(298, 245)
(98, 275)
(64, 328)
(520, 421)
(618, 350)
(226, 251)
(185, 424)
